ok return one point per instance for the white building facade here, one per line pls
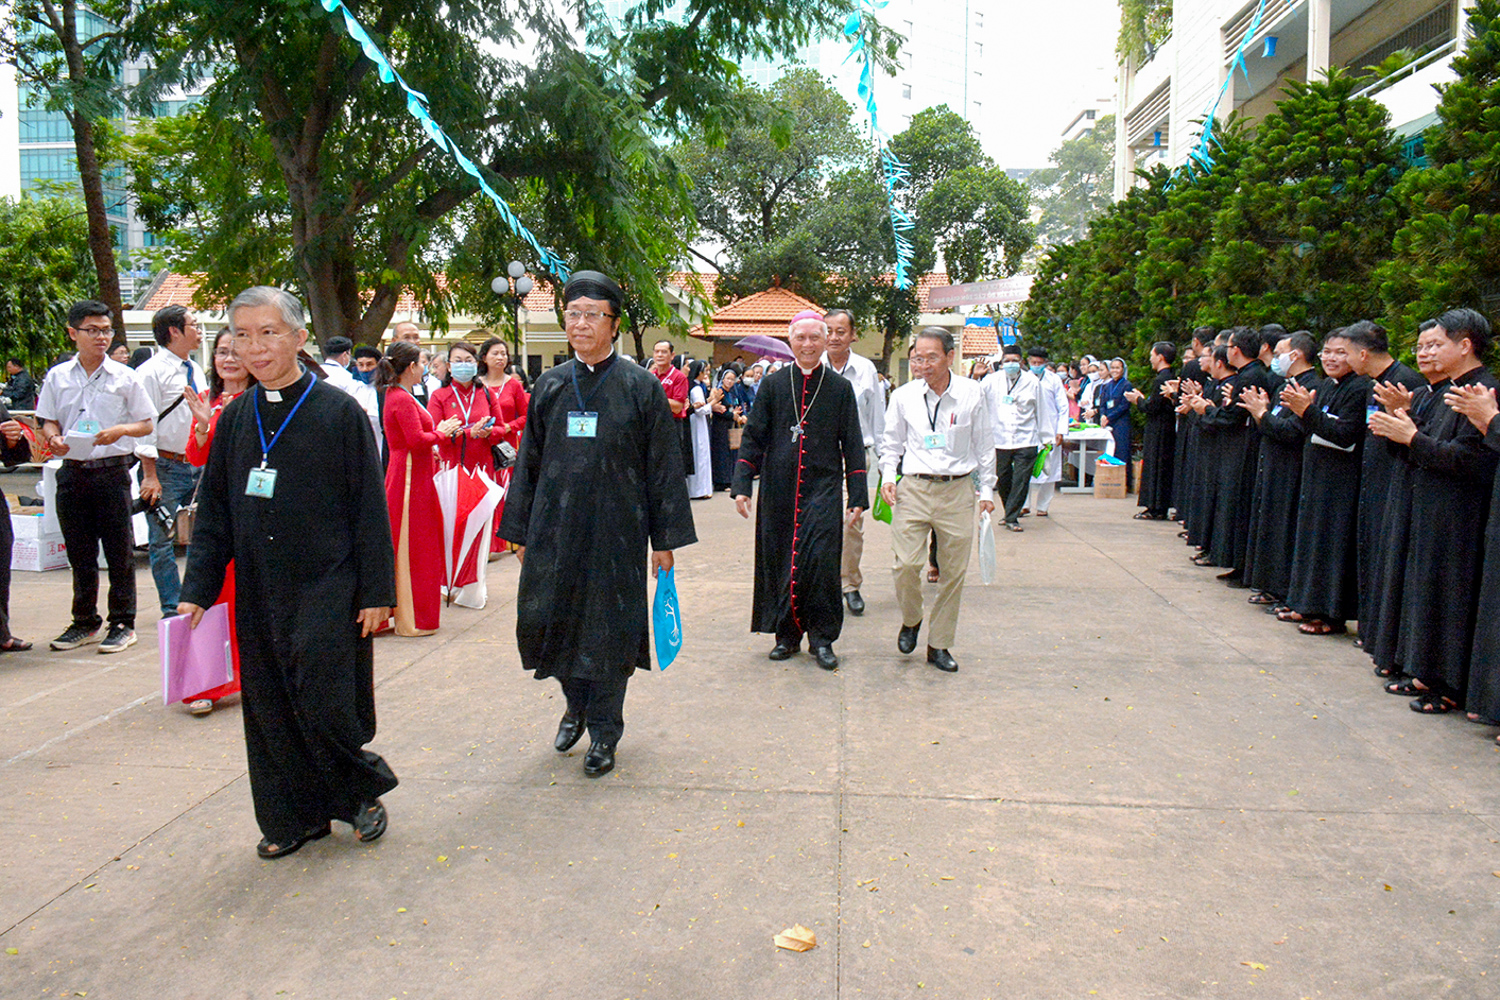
(1160, 101)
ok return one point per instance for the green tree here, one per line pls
(45, 266)
(68, 56)
(1079, 185)
(1172, 278)
(1110, 313)
(974, 215)
(1144, 24)
(1448, 252)
(1297, 242)
(368, 192)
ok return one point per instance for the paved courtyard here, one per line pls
(1137, 786)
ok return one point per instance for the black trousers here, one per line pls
(601, 703)
(1013, 479)
(789, 634)
(7, 542)
(93, 508)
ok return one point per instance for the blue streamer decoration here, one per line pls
(416, 106)
(1202, 154)
(895, 173)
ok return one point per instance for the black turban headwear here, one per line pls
(593, 285)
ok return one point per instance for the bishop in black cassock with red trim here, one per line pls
(805, 443)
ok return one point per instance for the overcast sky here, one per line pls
(1052, 59)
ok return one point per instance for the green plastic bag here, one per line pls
(882, 510)
(1041, 461)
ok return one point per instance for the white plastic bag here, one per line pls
(986, 549)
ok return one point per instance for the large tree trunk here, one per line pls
(90, 177)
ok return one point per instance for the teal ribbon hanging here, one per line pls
(416, 106)
(893, 172)
(1202, 153)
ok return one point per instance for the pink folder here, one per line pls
(194, 659)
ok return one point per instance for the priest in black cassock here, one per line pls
(1278, 473)
(598, 478)
(1478, 404)
(1159, 444)
(1381, 469)
(293, 493)
(1452, 475)
(1187, 434)
(1239, 451)
(1323, 592)
(804, 441)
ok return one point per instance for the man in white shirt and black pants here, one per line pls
(1013, 396)
(937, 428)
(90, 407)
(860, 372)
(168, 479)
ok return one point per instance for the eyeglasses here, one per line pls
(244, 338)
(591, 316)
(95, 331)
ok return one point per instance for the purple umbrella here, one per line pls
(766, 347)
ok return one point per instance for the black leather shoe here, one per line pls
(781, 651)
(906, 640)
(855, 603)
(568, 732)
(599, 760)
(826, 657)
(941, 659)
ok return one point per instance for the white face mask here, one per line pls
(1281, 364)
(463, 371)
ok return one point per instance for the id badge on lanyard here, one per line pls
(936, 441)
(582, 424)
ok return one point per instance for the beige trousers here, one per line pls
(923, 507)
(854, 534)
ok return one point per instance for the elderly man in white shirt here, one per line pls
(1014, 397)
(168, 479)
(937, 428)
(90, 407)
(870, 399)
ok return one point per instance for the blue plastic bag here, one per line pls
(666, 620)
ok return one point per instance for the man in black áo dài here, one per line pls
(293, 493)
(805, 443)
(598, 478)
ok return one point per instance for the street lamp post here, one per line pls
(513, 286)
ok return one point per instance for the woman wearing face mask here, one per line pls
(465, 397)
(505, 387)
(1088, 392)
(1114, 413)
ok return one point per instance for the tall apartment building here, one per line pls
(941, 62)
(1159, 101)
(37, 155)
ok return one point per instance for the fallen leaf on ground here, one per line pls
(1255, 965)
(1389, 889)
(797, 938)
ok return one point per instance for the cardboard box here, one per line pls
(1109, 481)
(36, 550)
(1136, 488)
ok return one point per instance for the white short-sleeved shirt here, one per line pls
(110, 396)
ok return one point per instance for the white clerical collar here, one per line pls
(806, 371)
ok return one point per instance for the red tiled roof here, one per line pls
(980, 342)
(176, 290)
(768, 312)
(925, 284)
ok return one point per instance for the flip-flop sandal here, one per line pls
(14, 645)
(1288, 615)
(1432, 703)
(1319, 627)
(1387, 672)
(1202, 560)
(1263, 598)
(1480, 720)
(1404, 687)
(1041, 513)
(1182, 534)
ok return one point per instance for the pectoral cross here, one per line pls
(796, 431)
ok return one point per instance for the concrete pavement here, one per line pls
(1136, 786)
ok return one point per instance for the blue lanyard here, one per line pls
(265, 449)
(583, 401)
